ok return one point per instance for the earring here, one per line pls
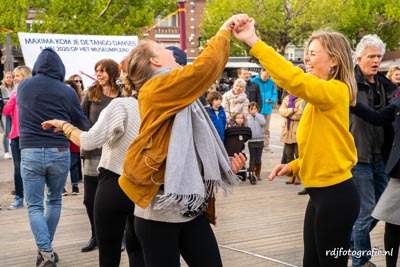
(331, 71)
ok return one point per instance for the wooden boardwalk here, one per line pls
(258, 225)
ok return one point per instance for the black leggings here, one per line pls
(89, 193)
(163, 243)
(392, 243)
(255, 155)
(330, 215)
(112, 208)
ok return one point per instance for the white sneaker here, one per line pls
(7, 155)
(17, 203)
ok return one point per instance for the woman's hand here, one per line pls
(279, 170)
(57, 124)
(246, 32)
(235, 23)
(237, 162)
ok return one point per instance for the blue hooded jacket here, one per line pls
(44, 97)
(268, 91)
(219, 120)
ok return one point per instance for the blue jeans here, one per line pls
(74, 167)
(42, 167)
(7, 127)
(371, 181)
(16, 153)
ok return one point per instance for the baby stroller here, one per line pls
(235, 137)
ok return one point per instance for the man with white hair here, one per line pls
(373, 142)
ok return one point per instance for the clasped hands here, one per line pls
(242, 27)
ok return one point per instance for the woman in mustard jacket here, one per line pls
(176, 163)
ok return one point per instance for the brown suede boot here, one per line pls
(290, 180)
(258, 171)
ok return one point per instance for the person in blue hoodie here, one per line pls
(217, 112)
(45, 157)
(269, 96)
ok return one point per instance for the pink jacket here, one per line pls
(11, 109)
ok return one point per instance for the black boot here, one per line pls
(91, 244)
(303, 192)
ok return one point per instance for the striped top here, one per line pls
(114, 131)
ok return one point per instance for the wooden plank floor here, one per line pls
(258, 225)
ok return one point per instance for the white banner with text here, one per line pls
(79, 53)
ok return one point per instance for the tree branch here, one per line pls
(123, 9)
(105, 9)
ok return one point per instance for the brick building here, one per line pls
(167, 31)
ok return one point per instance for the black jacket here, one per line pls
(45, 97)
(253, 93)
(364, 133)
(385, 117)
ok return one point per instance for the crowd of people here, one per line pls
(152, 162)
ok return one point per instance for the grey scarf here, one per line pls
(197, 164)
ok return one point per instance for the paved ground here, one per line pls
(258, 225)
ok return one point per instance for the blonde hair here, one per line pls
(391, 71)
(25, 71)
(4, 84)
(338, 48)
(138, 67)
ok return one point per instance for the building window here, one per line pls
(171, 22)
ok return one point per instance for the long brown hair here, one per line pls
(138, 67)
(233, 120)
(95, 92)
(74, 86)
(338, 47)
(73, 76)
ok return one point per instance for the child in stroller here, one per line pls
(236, 135)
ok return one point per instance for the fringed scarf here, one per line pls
(291, 104)
(197, 164)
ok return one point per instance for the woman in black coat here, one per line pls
(387, 209)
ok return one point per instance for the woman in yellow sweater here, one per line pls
(326, 148)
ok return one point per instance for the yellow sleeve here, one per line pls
(177, 89)
(320, 93)
(294, 164)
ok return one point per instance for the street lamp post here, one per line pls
(7, 58)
